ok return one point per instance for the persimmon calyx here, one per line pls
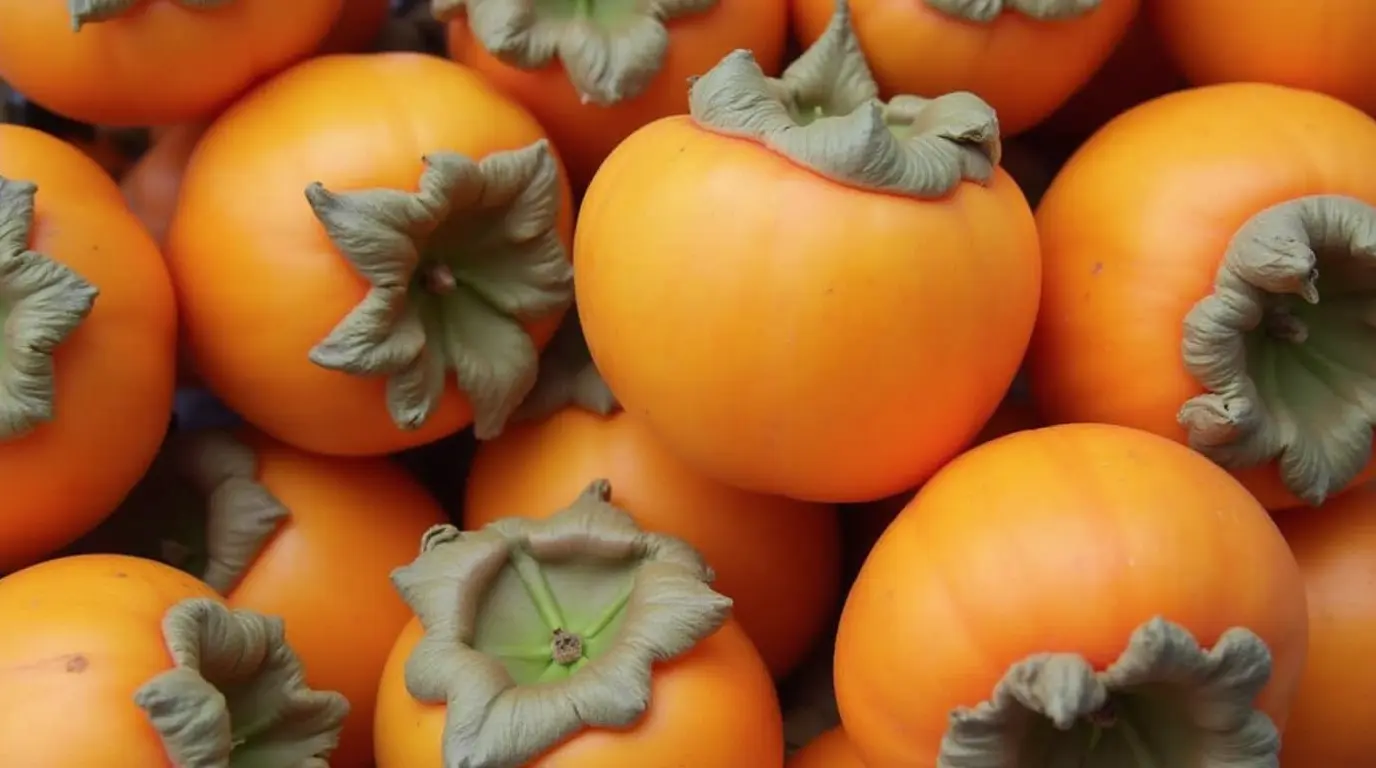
(1165, 702)
(824, 113)
(610, 49)
(241, 515)
(455, 269)
(536, 629)
(85, 12)
(986, 11)
(236, 694)
(42, 302)
(1289, 377)
(568, 377)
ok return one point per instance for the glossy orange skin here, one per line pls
(113, 376)
(778, 559)
(358, 26)
(1335, 546)
(152, 185)
(160, 63)
(830, 750)
(326, 572)
(1024, 68)
(1136, 224)
(259, 281)
(1060, 539)
(82, 634)
(1320, 45)
(782, 332)
(714, 705)
(587, 133)
(863, 524)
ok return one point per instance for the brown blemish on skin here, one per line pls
(77, 663)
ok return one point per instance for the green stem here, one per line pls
(521, 654)
(583, 8)
(528, 570)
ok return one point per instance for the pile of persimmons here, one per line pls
(687, 383)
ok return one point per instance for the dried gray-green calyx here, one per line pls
(985, 11)
(42, 302)
(1290, 377)
(236, 695)
(536, 629)
(456, 271)
(1165, 703)
(85, 12)
(568, 377)
(824, 113)
(610, 49)
(241, 515)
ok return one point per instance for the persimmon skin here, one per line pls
(777, 559)
(830, 750)
(586, 133)
(159, 63)
(803, 324)
(915, 49)
(714, 705)
(82, 634)
(113, 376)
(1335, 546)
(256, 299)
(1319, 45)
(1058, 539)
(152, 184)
(1135, 226)
(326, 572)
(357, 27)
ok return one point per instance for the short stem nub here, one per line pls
(439, 279)
(566, 647)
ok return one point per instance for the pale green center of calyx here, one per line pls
(545, 620)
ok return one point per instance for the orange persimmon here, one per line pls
(1335, 546)
(146, 62)
(358, 26)
(576, 641)
(152, 185)
(830, 750)
(777, 559)
(1320, 45)
(804, 291)
(1040, 588)
(1207, 256)
(613, 67)
(311, 539)
(1024, 57)
(369, 252)
(87, 361)
(121, 662)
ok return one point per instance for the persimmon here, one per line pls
(830, 750)
(87, 360)
(1024, 57)
(151, 185)
(357, 27)
(1075, 591)
(334, 268)
(577, 641)
(1336, 550)
(863, 524)
(286, 533)
(146, 62)
(854, 249)
(777, 559)
(1138, 70)
(121, 662)
(1214, 290)
(594, 71)
(1320, 45)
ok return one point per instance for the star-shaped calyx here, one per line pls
(85, 12)
(609, 50)
(41, 303)
(456, 269)
(824, 113)
(986, 11)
